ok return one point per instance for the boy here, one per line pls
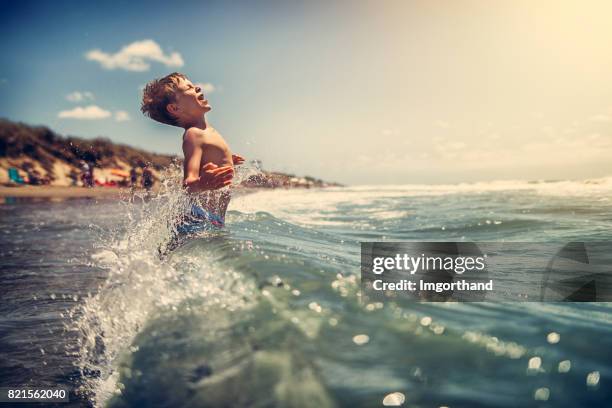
(174, 100)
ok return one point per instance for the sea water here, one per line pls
(268, 311)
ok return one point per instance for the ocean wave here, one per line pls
(269, 310)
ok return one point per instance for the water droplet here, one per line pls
(541, 394)
(426, 321)
(553, 337)
(592, 379)
(535, 363)
(315, 307)
(361, 339)
(564, 366)
(395, 399)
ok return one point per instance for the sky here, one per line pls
(359, 92)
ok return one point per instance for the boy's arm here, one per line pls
(212, 176)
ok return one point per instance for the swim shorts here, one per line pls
(198, 220)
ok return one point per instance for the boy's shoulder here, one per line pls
(195, 134)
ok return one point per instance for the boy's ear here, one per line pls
(172, 108)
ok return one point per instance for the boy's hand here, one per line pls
(237, 159)
(214, 177)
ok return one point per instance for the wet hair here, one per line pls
(157, 95)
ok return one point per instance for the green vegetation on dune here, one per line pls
(39, 143)
(56, 157)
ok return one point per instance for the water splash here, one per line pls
(140, 285)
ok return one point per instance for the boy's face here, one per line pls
(190, 102)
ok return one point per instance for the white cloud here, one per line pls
(135, 57)
(87, 112)
(207, 87)
(122, 116)
(77, 96)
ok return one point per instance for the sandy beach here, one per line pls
(82, 192)
(61, 192)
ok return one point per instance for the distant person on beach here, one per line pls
(133, 177)
(209, 163)
(147, 178)
(86, 174)
(34, 177)
(74, 176)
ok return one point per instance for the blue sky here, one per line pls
(354, 91)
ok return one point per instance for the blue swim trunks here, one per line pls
(196, 220)
(199, 220)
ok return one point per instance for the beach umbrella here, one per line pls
(120, 173)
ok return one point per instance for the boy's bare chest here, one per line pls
(215, 149)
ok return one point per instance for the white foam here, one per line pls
(313, 206)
